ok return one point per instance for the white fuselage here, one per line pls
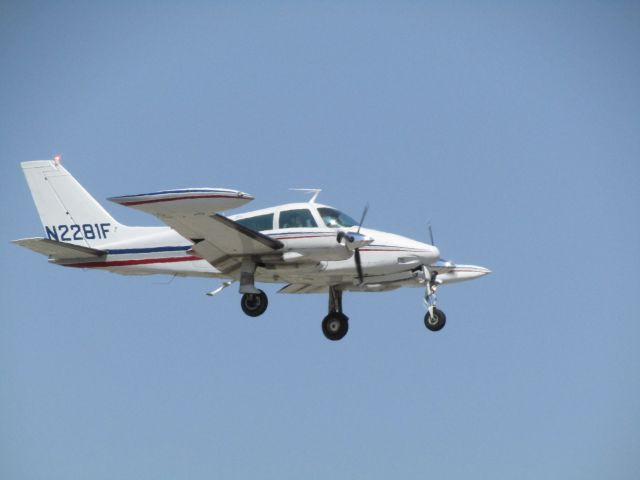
(309, 247)
(311, 255)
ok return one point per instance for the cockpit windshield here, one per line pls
(336, 219)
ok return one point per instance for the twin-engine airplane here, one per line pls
(312, 248)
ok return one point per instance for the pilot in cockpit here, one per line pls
(295, 221)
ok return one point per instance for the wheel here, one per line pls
(436, 321)
(335, 325)
(254, 304)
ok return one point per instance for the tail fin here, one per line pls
(67, 211)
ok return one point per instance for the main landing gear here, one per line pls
(254, 301)
(336, 324)
(254, 304)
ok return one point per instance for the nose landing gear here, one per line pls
(435, 319)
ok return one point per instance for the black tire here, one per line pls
(254, 304)
(437, 322)
(335, 326)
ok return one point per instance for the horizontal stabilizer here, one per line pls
(58, 250)
(185, 201)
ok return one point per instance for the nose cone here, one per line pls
(483, 271)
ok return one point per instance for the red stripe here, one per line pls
(171, 199)
(123, 263)
(365, 249)
(465, 270)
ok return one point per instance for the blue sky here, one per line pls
(513, 128)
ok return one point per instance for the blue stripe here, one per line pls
(123, 251)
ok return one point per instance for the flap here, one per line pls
(303, 288)
(218, 258)
(222, 234)
(58, 250)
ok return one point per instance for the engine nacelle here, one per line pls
(321, 246)
(353, 240)
(313, 248)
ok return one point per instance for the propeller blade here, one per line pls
(356, 254)
(364, 214)
(431, 235)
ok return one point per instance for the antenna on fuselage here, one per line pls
(314, 191)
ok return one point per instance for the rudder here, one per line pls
(67, 211)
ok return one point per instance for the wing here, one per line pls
(193, 214)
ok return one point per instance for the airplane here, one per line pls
(309, 247)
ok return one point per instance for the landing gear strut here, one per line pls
(336, 324)
(435, 319)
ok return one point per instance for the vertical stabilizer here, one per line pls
(67, 211)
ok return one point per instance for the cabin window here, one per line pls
(258, 223)
(336, 219)
(300, 218)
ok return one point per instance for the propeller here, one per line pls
(431, 278)
(356, 256)
(364, 214)
(354, 241)
(356, 253)
(441, 262)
